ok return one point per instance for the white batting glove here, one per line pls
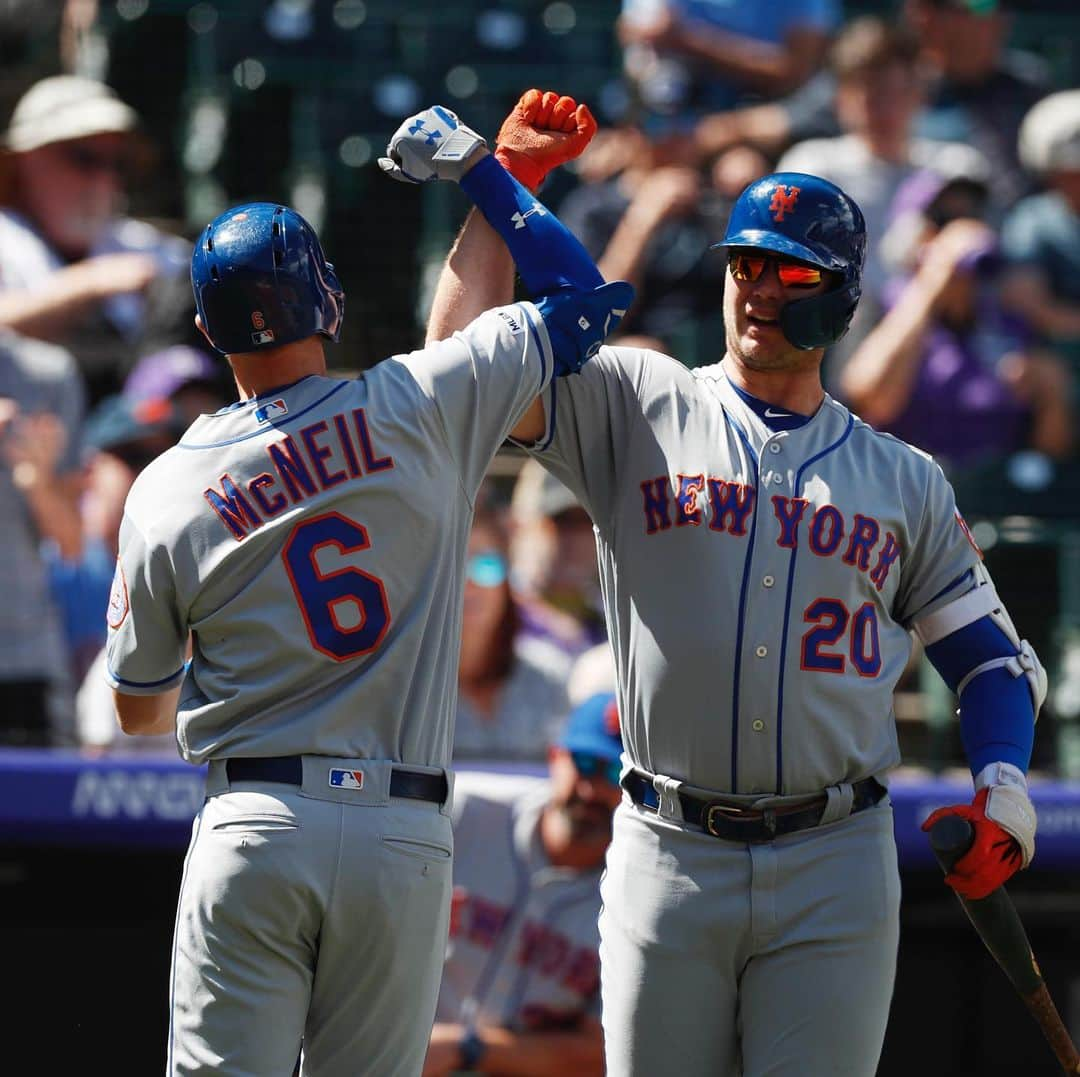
(432, 145)
(1009, 805)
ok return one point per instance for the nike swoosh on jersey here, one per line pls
(770, 414)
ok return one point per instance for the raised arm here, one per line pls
(542, 131)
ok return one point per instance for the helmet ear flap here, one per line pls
(822, 320)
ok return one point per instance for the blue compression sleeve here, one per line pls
(547, 254)
(997, 715)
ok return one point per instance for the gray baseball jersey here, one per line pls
(523, 947)
(311, 540)
(759, 586)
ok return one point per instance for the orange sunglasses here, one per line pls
(792, 274)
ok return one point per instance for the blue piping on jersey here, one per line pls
(787, 606)
(539, 346)
(150, 684)
(551, 409)
(966, 574)
(271, 425)
(742, 607)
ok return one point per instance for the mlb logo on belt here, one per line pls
(346, 779)
(271, 410)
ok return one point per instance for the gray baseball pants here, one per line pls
(310, 915)
(722, 959)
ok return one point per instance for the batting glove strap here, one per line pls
(996, 853)
(578, 322)
(1011, 809)
(431, 145)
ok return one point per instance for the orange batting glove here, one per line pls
(542, 132)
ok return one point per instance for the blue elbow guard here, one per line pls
(547, 254)
(997, 713)
(578, 322)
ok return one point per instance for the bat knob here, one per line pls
(950, 838)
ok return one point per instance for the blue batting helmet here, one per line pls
(812, 220)
(261, 280)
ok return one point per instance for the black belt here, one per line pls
(289, 770)
(731, 822)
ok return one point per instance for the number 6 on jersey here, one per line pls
(324, 596)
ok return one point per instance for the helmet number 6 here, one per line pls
(345, 610)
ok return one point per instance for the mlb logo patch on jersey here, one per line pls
(340, 778)
(271, 410)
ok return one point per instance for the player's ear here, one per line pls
(202, 328)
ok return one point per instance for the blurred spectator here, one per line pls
(653, 223)
(41, 407)
(878, 93)
(687, 57)
(553, 561)
(979, 91)
(593, 672)
(1041, 236)
(511, 682)
(73, 269)
(121, 437)
(522, 974)
(947, 369)
(190, 378)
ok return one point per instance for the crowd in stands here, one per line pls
(963, 153)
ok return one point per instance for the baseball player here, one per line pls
(305, 547)
(520, 987)
(765, 556)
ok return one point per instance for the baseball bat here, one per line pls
(995, 919)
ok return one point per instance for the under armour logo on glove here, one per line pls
(578, 323)
(419, 152)
(431, 136)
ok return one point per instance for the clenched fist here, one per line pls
(544, 130)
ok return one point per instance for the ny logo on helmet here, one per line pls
(783, 201)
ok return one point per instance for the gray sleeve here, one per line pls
(482, 380)
(590, 419)
(942, 551)
(147, 640)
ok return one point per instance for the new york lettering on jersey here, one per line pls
(795, 553)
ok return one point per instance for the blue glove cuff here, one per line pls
(579, 322)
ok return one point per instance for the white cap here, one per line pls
(65, 107)
(1050, 134)
(538, 493)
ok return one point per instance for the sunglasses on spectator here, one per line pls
(486, 569)
(749, 267)
(593, 766)
(88, 160)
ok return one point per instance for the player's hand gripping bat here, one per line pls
(995, 918)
